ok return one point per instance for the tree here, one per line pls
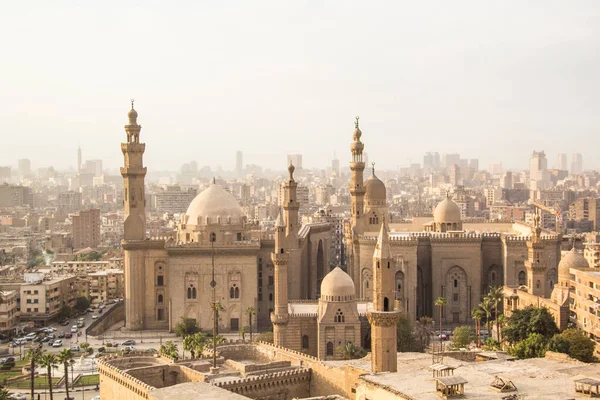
(84, 346)
(477, 314)
(495, 296)
(441, 302)
(522, 323)
(195, 343)
(33, 355)
(243, 333)
(534, 346)
(169, 349)
(50, 362)
(266, 337)
(250, 311)
(186, 327)
(423, 330)
(405, 336)
(350, 351)
(574, 343)
(487, 307)
(65, 357)
(4, 394)
(82, 303)
(462, 337)
(65, 311)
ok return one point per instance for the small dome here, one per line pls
(375, 189)
(337, 283)
(214, 202)
(357, 133)
(447, 211)
(573, 259)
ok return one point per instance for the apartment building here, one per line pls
(105, 285)
(9, 310)
(86, 229)
(41, 299)
(585, 303)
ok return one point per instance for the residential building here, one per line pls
(86, 229)
(9, 310)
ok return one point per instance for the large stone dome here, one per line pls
(447, 211)
(214, 202)
(375, 189)
(337, 283)
(573, 259)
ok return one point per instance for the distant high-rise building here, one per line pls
(296, 160)
(239, 163)
(5, 173)
(24, 167)
(69, 202)
(539, 177)
(436, 160)
(86, 229)
(449, 160)
(561, 162)
(335, 166)
(507, 180)
(79, 160)
(92, 167)
(173, 199)
(474, 164)
(495, 168)
(455, 175)
(428, 160)
(576, 164)
(15, 196)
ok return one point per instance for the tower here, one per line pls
(79, 159)
(291, 207)
(280, 258)
(535, 264)
(383, 316)
(357, 190)
(134, 249)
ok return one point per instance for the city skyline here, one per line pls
(293, 82)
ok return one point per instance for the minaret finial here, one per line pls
(132, 101)
(373, 168)
(356, 122)
(291, 170)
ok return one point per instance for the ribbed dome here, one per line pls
(214, 202)
(573, 259)
(337, 283)
(375, 189)
(447, 211)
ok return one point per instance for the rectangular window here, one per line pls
(160, 280)
(260, 297)
(160, 314)
(271, 280)
(455, 297)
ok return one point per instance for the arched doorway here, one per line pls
(367, 284)
(320, 266)
(400, 292)
(457, 310)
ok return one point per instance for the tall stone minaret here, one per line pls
(536, 265)
(357, 190)
(383, 316)
(291, 207)
(280, 258)
(133, 173)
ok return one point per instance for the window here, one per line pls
(191, 292)
(455, 297)
(305, 342)
(270, 296)
(456, 283)
(160, 314)
(234, 292)
(329, 348)
(239, 236)
(339, 316)
(160, 280)
(522, 278)
(271, 281)
(386, 304)
(160, 299)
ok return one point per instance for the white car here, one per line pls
(95, 398)
(94, 316)
(74, 329)
(57, 343)
(21, 396)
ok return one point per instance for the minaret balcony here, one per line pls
(279, 319)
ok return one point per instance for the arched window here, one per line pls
(493, 280)
(329, 348)
(456, 283)
(193, 293)
(231, 293)
(367, 284)
(305, 342)
(339, 316)
(189, 293)
(386, 304)
(160, 299)
(237, 292)
(522, 278)
(388, 265)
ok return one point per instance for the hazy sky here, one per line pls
(493, 80)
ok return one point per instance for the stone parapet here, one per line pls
(383, 318)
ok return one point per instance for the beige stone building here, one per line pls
(41, 299)
(9, 310)
(444, 257)
(105, 285)
(168, 279)
(585, 304)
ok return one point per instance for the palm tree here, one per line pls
(33, 356)
(49, 361)
(350, 351)
(487, 307)
(477, 315)
(4, 394)
(423, 331)
(501, 322)
(496, 295)
(441, 302)
(169, 349)
(250, 311)
(65, 357)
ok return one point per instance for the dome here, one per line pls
(337, 283)
(573, 259)
(132, 114)
(446, 211)
(375, 189)
(214, 202)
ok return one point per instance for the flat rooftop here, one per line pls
(536, 378)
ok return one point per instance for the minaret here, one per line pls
(291, 207)
(134, 250)
(357, 190)
(79, 159)
(133, 174)
(535, 265)
(383, 316)
(280, 258)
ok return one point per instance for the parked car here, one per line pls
(94, 316)
(65, 322)
(74, 329)
(75, 348)
(128, 342)
(68, 335)
(57, 343)
(60, 335)
(19, 396)
(45, 339)
(95, 398)
(7, 359)
(30, 336)
(128, 348)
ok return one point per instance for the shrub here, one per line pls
(462, 337)
(265, 337)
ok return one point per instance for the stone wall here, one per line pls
(166, 375)
(276, 386)
(106, 320)
(117, 384)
